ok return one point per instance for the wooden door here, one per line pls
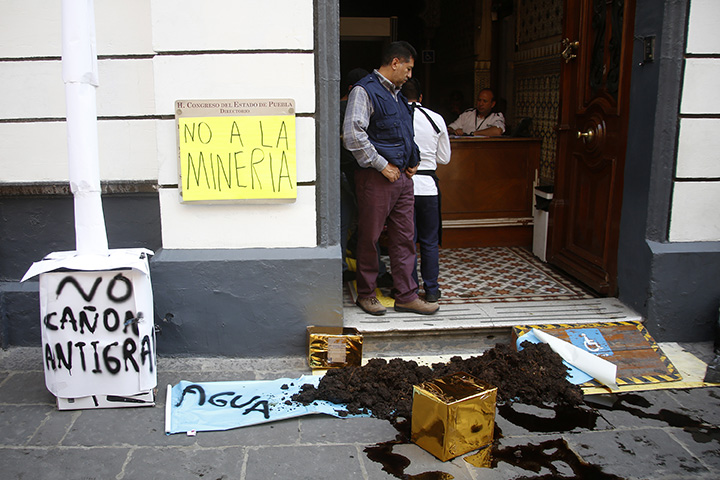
(592, 136)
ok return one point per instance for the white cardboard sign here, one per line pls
(97, 332)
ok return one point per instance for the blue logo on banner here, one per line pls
(591, 340)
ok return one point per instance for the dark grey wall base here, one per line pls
(241, 303)
(19, 314)
(246, 303)
(684, 291)
(34, 226)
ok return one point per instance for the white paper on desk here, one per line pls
(603, 371)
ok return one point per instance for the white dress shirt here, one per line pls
(469, 121)
(434, 148)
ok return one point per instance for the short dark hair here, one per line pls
(351, 79)
(411, 89)
(400, 49)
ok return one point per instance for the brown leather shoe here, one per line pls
(371, 305)
(417, 306)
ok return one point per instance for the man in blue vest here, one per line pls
(378, 130)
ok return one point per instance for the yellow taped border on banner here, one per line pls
(690, 367)
(639, 360)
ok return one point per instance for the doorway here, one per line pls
(516, 47)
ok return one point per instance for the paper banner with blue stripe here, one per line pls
(209, 406)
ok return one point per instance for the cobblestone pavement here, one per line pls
(664, 434)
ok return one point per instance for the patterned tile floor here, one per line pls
(497, 274)
(500, 274)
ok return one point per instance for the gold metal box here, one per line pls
(453, 415)
(333, 347)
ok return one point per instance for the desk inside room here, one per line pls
(487, 192)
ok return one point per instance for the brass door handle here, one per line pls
(569, 53)
(586, 136)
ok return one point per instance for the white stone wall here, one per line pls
(153, 52)
(695, 214)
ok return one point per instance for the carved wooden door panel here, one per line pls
(592, 137)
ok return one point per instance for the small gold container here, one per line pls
(453, 415)
(333, 347)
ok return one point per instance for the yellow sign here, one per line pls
(237, 150)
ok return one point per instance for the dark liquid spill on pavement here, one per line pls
(553, 455)
(533, 377)
(565, 419)
(395, 464)
(632, 403)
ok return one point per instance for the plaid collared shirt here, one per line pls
(357, 120)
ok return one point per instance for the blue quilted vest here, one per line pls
(391, 125)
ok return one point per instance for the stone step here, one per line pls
(460, 329)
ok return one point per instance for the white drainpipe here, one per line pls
(79, 66)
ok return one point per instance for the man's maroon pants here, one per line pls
(381, 201)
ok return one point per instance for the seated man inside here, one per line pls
(480, 121)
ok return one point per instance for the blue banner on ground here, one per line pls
(208, 406)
